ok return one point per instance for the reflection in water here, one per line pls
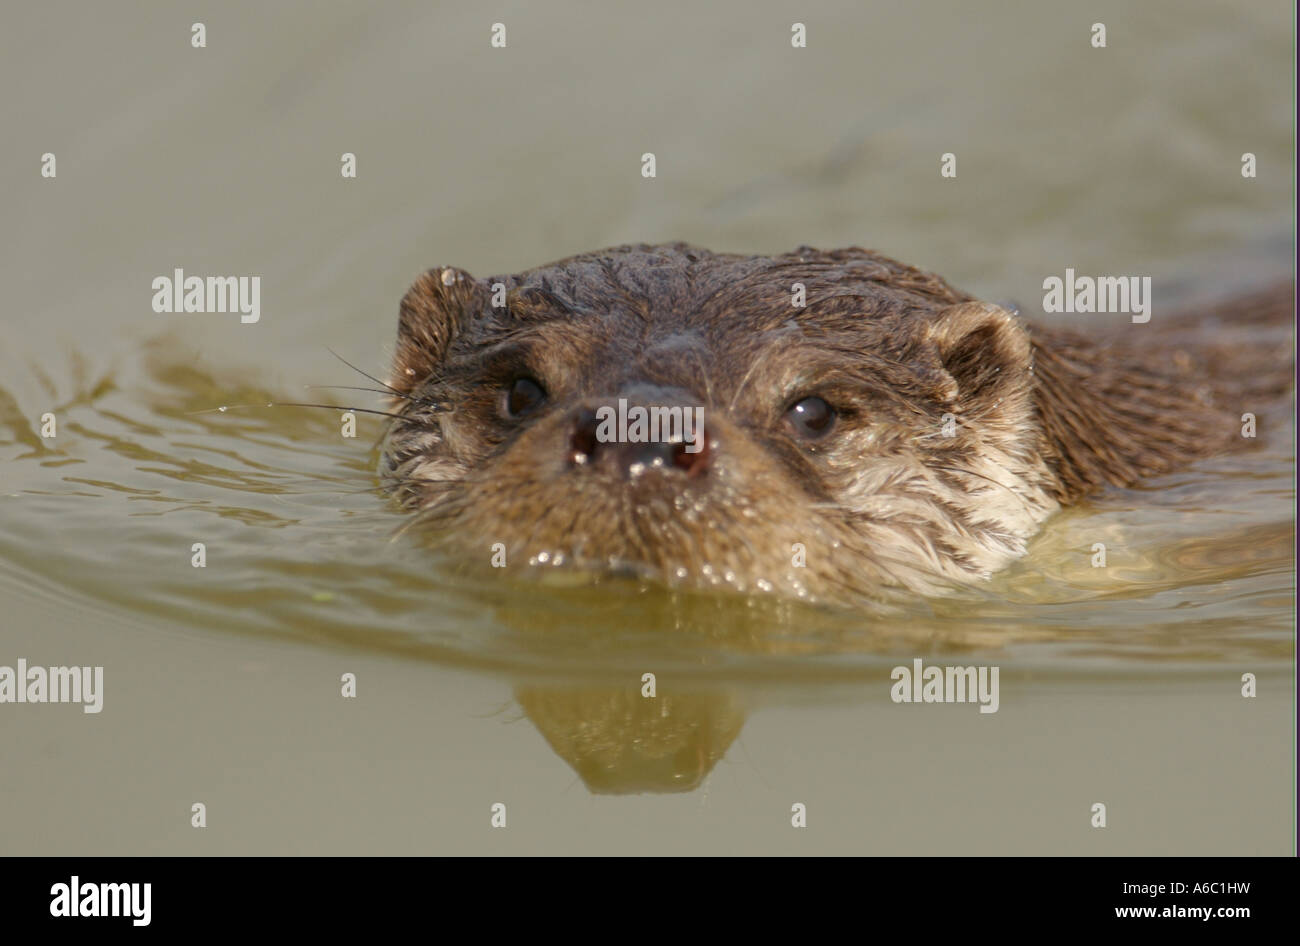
(621, 742)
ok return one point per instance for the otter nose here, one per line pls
(597, 438)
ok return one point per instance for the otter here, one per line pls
(868, 429)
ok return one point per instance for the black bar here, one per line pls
(330, 895)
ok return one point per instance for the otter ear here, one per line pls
(438, 306)
(985, 353)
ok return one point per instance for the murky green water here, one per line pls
(1119, 684)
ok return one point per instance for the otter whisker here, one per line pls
(243, 407)
(704, 375)
(429, 402)
(350, 387)
(740, 388)
(362, 373)
(337, 407)
(223, 409)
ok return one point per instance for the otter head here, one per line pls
(849, 425)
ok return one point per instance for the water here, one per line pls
(1119, 685)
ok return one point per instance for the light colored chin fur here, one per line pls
(958, 527)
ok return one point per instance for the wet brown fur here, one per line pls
(888, 501)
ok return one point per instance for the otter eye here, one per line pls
(810, 417)
(523, 395)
